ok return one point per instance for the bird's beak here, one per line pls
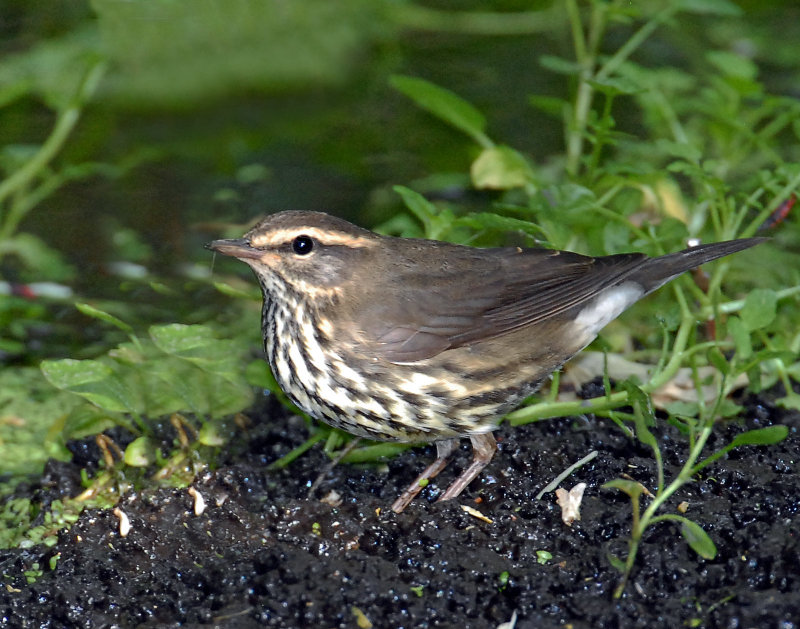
(236, 248)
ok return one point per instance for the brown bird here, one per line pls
(401, 339)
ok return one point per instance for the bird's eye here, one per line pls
(302, 245)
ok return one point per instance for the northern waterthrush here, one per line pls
(417, 340)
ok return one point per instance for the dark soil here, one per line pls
(263, 555)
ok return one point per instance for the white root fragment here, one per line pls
(570, 503)
(332, 498)
(199, 501)
(124, 522)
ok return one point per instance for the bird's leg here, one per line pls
(443, 451)
(483, 449)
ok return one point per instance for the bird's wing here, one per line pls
(480, 294)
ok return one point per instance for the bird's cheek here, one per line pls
(265, 262)
(269, 258)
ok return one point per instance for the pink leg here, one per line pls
(483, 449)
(443, 450)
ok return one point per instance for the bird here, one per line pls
(414, 340)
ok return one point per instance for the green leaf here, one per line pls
(543, 556)
(760, 308)
(643, 414)
(698, 539)
(729, 408)
(549, 105)
(790, 401)
(741, 337)
(180, 339)
(613, 86)
(760, 437)
(27, 395)
(198, 345)
(436, 223)
(733, 65)
(443, 104)
(616, 237)
(717, 359)
(13, 91)
(682, 409)
(682, 150)
(230, 291)
(102, 315)
(257, 373)
(53, 68)
(174, 385)
(177, 385)
(37, 257)
(94, 381)
(616, 562)
(423, 209)
(630, 487)
(214, 434)
(141, 452)
(559, 65)
(496, 222)
(87, 420)
(500, 168)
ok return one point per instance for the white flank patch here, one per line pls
(418, 383)
(607, 306)
(421, 384)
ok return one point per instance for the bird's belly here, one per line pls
(373, 401)
(460, 392)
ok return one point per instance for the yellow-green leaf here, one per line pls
(500, 168)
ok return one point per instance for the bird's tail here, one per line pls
(658, 271)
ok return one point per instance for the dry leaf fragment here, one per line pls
(476, 514)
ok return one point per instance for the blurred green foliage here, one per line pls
(184, 53)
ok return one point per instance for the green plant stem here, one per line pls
(745, 207)
(552, 395)
(299, 450)
(603, 131)
(648, 517)
(636, 40)
(576, 28)
(737, 305)
(787, 190)
(65, 123)
(586, 54)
